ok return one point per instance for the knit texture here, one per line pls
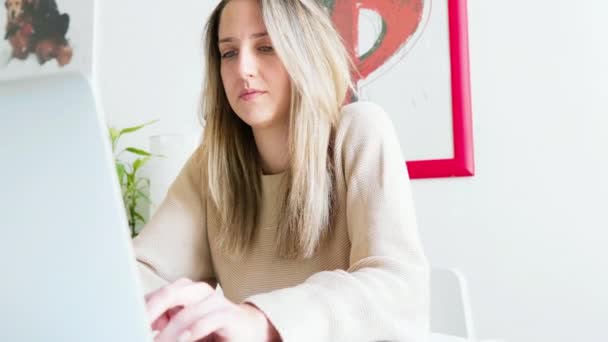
(370, 283)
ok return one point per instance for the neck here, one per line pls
(273, 146)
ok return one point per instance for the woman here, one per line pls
(299, 207)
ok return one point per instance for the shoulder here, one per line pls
(363, 121)
(366, 139)
(367, 151)
(194, 169)
(199, 156)
(196, 160)
(363, 116)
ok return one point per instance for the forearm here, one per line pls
(388, 302)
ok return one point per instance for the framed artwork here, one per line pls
(46, 36)
(412, 59)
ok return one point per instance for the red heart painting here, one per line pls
(400, 20)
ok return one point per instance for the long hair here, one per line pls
(319, 67)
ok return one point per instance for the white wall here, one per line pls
(149, 62)
(529, 229)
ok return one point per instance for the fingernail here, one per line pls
(185, 337)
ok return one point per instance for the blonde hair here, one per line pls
(320, 71)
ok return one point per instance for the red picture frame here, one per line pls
(462, 163)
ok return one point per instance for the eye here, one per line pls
(229, 54)
(266, 48)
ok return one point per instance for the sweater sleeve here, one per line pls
(383, 295)
(174, 244)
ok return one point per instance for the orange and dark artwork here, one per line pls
(37, 27)
(400, 21)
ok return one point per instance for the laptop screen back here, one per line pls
(68, 271)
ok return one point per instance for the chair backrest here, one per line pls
(450, 305)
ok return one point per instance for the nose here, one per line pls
(247, 64)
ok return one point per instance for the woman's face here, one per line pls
(254, 78)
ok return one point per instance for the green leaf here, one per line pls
(139, 163)
(138, 216)
(135, 128)
(120, 170)
(141, 194)
(145, 180)
(130, 179)
(139, 152)
(114, 134)
(128, 168)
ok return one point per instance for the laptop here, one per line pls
(68, 268)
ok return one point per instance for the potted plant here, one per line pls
(134, 187)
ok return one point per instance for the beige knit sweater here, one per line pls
(370, 284)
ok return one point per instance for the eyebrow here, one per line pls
(230, 39)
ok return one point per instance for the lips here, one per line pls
(249, 94)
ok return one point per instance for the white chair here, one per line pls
(450, 305)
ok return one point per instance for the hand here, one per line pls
(191, 311)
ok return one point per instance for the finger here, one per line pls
(171, 297)
(160, 323)
(190, 315)
(178, 283)
(164, 319)
(176, 296)
(207, 325)
(165, 291)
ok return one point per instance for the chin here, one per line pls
(259, 123)
(257, 119)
